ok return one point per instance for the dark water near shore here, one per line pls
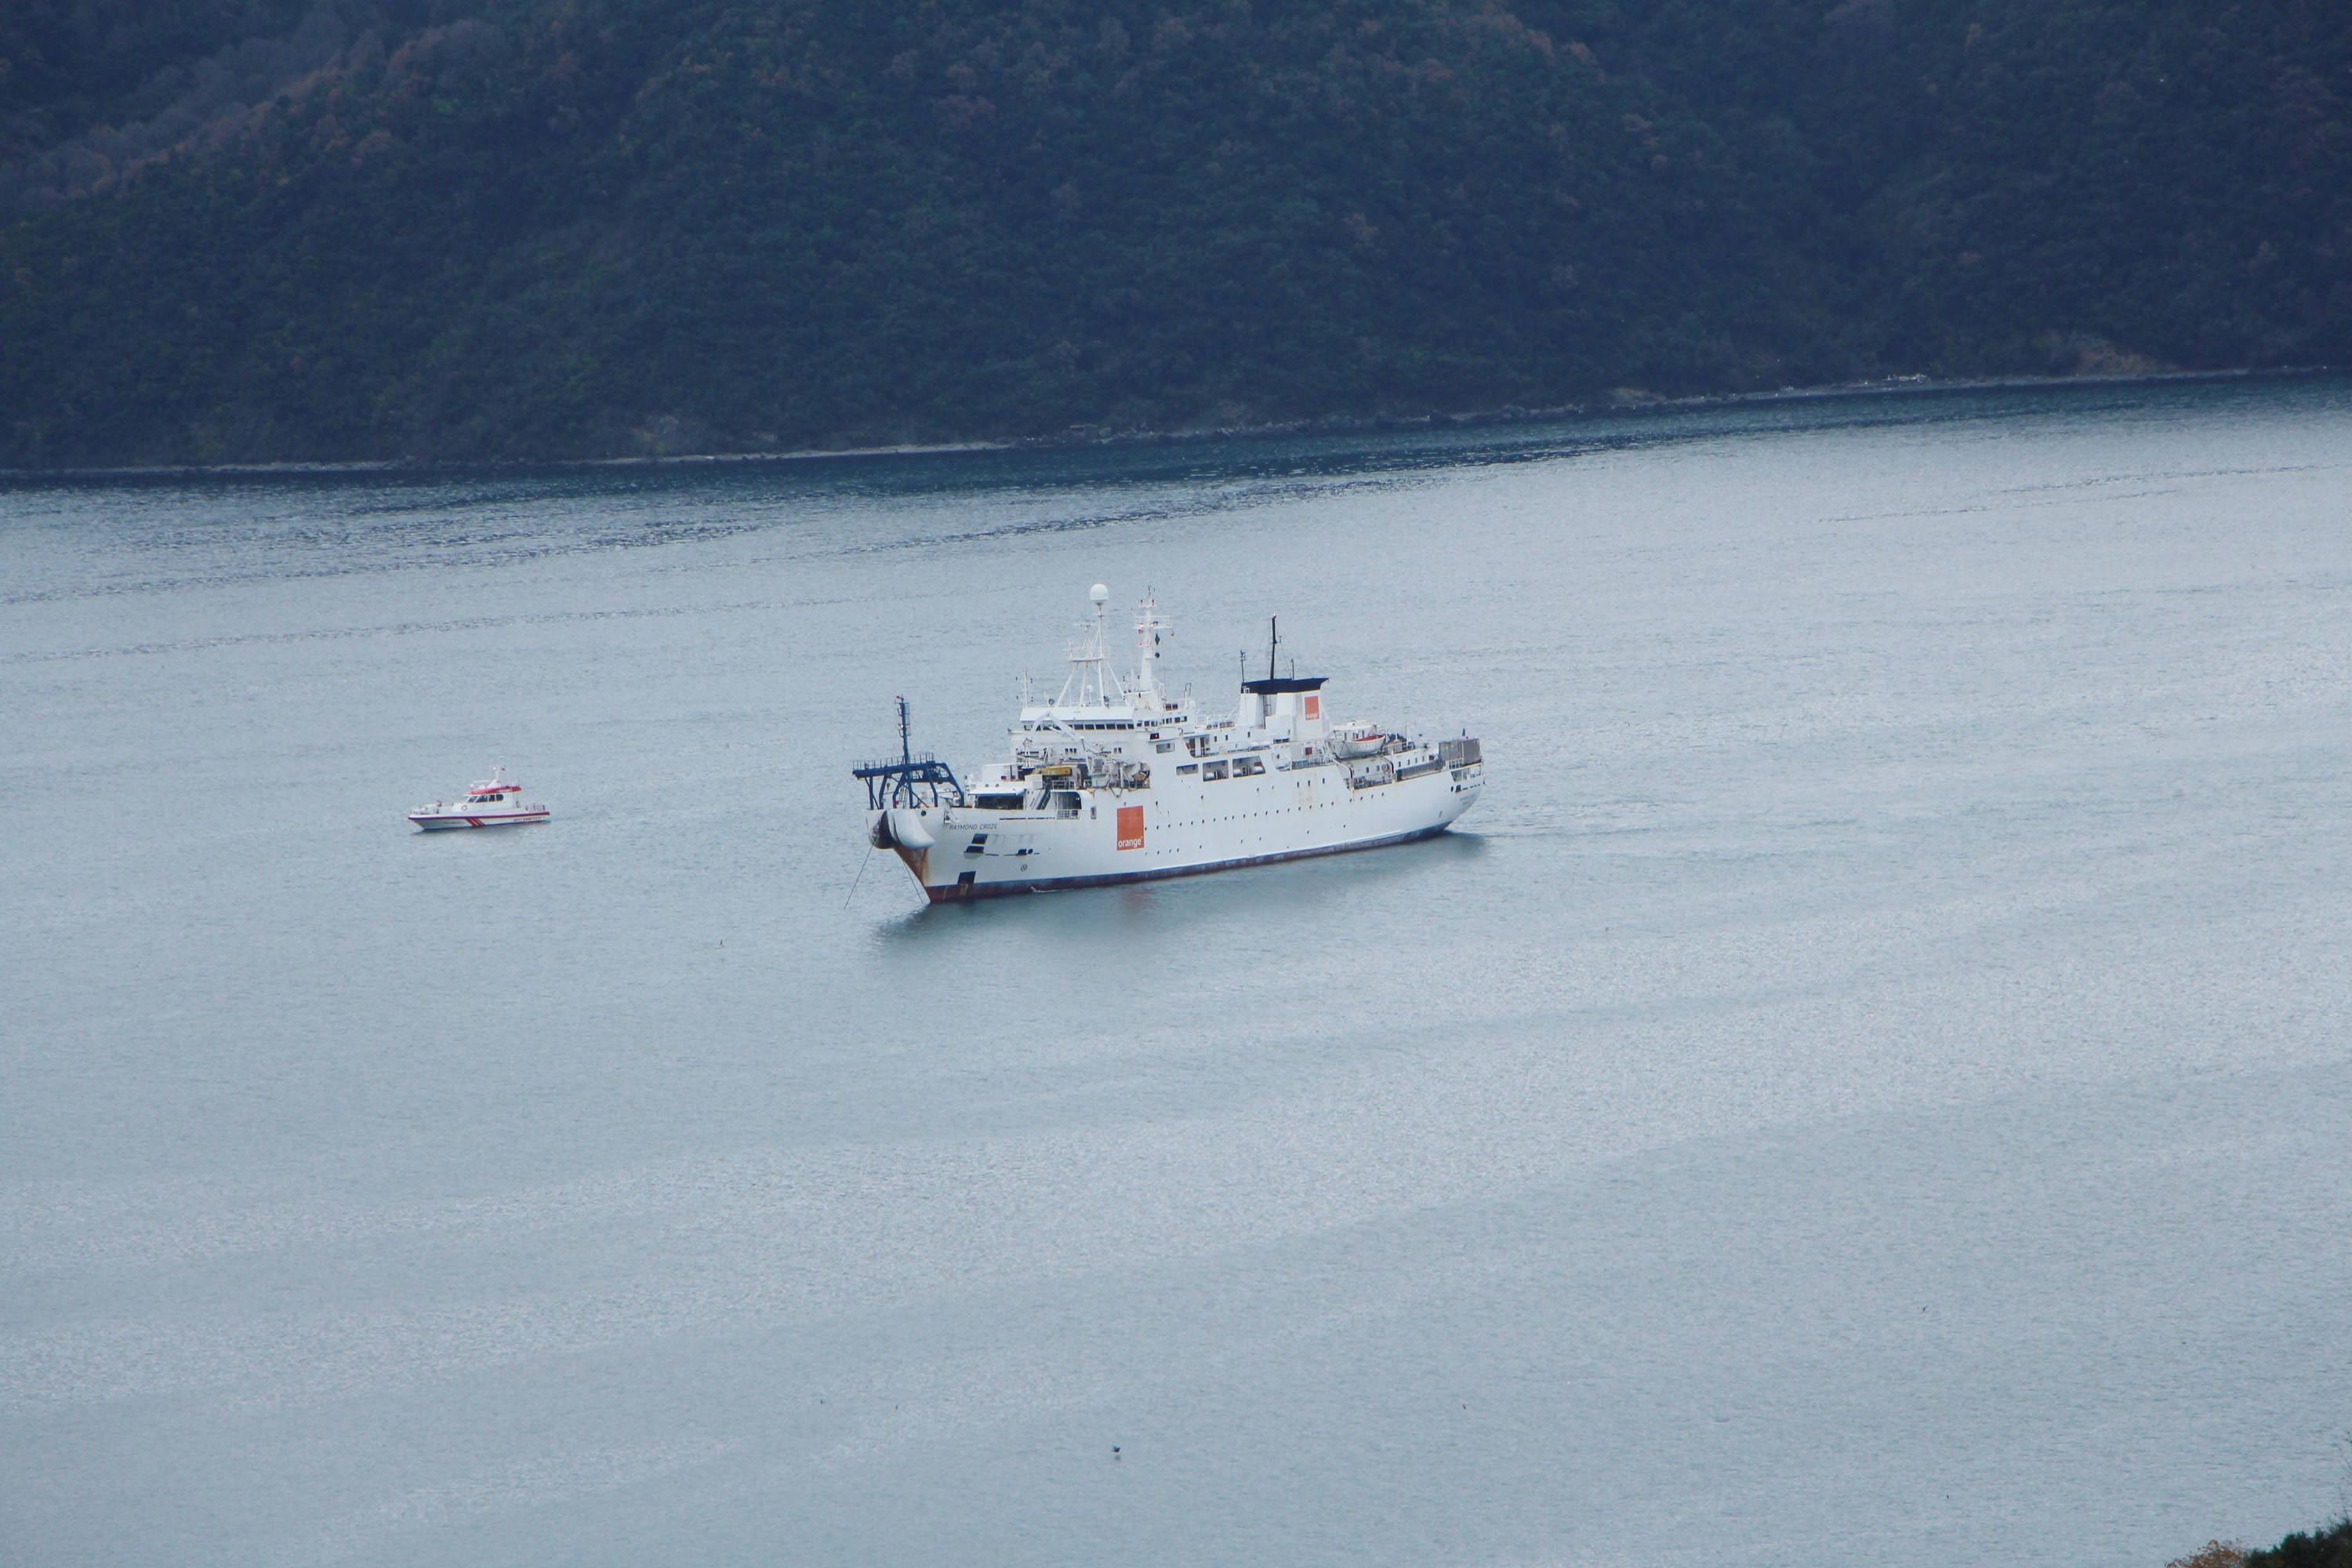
(1870, 1083)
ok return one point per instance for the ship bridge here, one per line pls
(1099, 711)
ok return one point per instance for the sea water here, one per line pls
(1870, 1083)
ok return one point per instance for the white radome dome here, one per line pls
(1098, 594)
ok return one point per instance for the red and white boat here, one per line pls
(494, 803)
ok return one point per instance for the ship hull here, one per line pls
(954, 894)
(1182, 828)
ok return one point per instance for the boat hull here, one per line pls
(435, 824)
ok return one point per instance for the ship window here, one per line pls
(1188, 767)
(1164, 746)
(1211, 771)
(1244, 766)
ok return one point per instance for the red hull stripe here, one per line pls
(958, 895)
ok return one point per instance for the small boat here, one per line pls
(496, 802)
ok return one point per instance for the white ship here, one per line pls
(1116, 781)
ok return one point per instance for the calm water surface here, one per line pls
(1869, 1085)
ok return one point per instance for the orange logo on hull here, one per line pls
(1130, 827)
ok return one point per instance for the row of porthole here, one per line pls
(1244, 816)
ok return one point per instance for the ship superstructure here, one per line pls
(1118, 780)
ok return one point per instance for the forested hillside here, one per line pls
(260, 229)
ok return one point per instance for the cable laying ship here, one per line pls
(1116, 781)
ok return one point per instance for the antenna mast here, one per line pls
(1273, 641)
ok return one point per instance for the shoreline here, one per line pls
(1618, 403)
